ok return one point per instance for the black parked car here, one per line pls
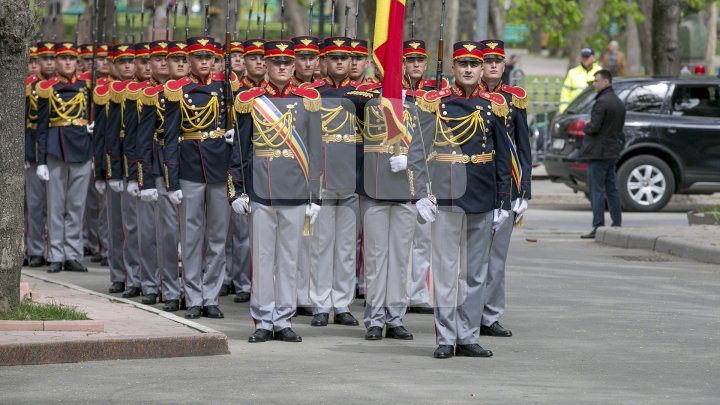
(672, 140)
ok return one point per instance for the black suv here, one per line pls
(672, 140)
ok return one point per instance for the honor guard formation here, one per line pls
(270, 169)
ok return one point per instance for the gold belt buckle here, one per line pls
(287, 153)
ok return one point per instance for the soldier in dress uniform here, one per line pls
(139, 223)
(255, 68)
(237, 274)
(307, 49)
(35, 194)
(124, 68)
(151, 141)
(360, 60)
(94, 223)
(147, 170)
(388, 218)
(518, 143)
(334, 242)
(122, 212)
(420, 286)
(64, 156)
(278, 163)
(471, 185)
(195, 167)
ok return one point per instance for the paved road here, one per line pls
(592, 324)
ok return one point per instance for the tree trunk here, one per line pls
(591, 18)
(632, 46)
(645, 36)
(297, 18)
(712, 10)
(497, 19)
(16, 25)
(666, 48)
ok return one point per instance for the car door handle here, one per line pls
(672, 130)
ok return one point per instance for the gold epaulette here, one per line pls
(246, 99)
(234, 82)
(519, 96)
(149, 96)
(311, 98)
(44, 89)
(498, 105)
(430, 101)
(29, 84)
(117, 91)
(101, 95)
(134, 90)
(174, 89)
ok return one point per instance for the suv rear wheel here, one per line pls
(645, 183)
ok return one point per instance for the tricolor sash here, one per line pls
(514, 160)
(270, 112)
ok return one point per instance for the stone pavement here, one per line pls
(132, 331)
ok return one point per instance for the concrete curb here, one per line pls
(207, 342)
(633, 239)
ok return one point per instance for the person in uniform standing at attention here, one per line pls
(64, 156)
(151, 140)
(94, 224)
(419, 290)
(334, 242)
(277, 162)
(237, 252)
(307, 49)
(121, 68)
(517, 140)
(41, 67)
(469, 199)
(255, 68)
(604, 140)
(196, 162)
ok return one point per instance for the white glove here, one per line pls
(398, 163)
(100, 186)
(116, 185)
(241, 206)
(90, 128)
(43, 173)
(150, 195)
(27, 165)
(133, 189)
(499, 216)
(519, 206)
(229, 136)
(311, 211)
(427, 210)
(175, 197)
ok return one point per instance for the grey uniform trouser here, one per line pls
(147, 225)
(495, 285)
(131, 245)
(333, 253)
(237, 253)
(166, 236)
(275, 236)
(66, 193)
(113, 210)
(204, 220)
(460, 249)
(93, 235)
(303, 274)
(420, 274)
(388, 232)
(35, 203)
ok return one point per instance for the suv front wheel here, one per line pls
(645, 183)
